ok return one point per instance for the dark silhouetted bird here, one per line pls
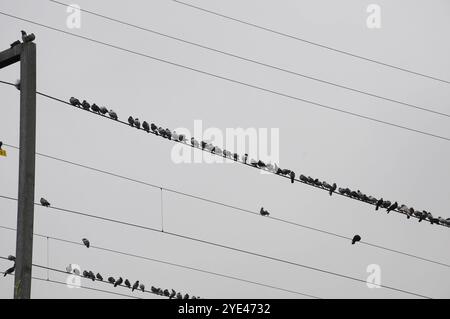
(292, 176)
(236, 157)
(264, 212)
(135, 286)
(392, 207)
(261, 164)
(131, 121)
(146, 127)
(17, 42)
(244, 159)
(85, 105)
(142, 287)
(172, 294)
(127, 283)
(86, 242)
(154, 128)
(9, 270)
(379, 203)
(194, 142)
(186, 296)
(253, 163)
(95, 108)
(86, 274)
(11, 258)
(92, 275)
(333, 189)
(27, 37)
(355, 239)
(103, 110)
(179, 296)
(137, 123)
(99, 277)
(44, 202)
(153, 289)
(75, 101)
(113, 115)
(111, 280)
(118, 282)
(166, 293)
(386, 204)
(182, 138)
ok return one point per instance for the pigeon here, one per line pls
(355, 239)
(392, 207)
(236, 157)
(85, 105)
(127, 283)
(168, 133)
(103, 110)
(17, 42)
(386, 204)
(253, 163)
(146, 127)
(118, 282)
(261, 164)
(11, 258)
(9, 270)
(92, 275)
(303, 178)
(131, 121)
(161, 131)
(154, 128)
(74, 101)
(135, 286)
(182, 138)
(422, 216)
(172, 294)
(142, 287)
(332, 189)
(245, 158)
(85, 273)
(194, 143)
(95, 108)
(113, 115)
(410, 212)
(186, 296)
(379, 203)
(179, 296)
(44, 202)
(86, 242)
(175, 136)
(137, 123)
(292, 175)
(264, 212)
(99, 277)
(111, 280)
(27, 37)
(166, 293)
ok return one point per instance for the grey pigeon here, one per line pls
(166, 293)
(11, 258)
(86, 274)
(179, 296)
(194, 142)
(333, 189)
(379, 203)
(44, 202)
(27, 37)
(74, 101)
(131, 121)
(142, 287)
(113, 115)
(95, 108)
(137, 123)
(86, 242)
(292, 176)
(92, 275)
(244, 159)
(392, 207)
(99, 277)
(127, 283)
(146, 127)
(9, 270)
(154, 128)
(236, 157)
(355, 239)
(172, 294)
(118, 282)
(186, 296)
(264, 212)
(103, 110)
(135, 286)
(85, 105)
(111, 280)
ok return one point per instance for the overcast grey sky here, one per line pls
(377, 159)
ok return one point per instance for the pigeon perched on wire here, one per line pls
(75, 101)
(103, 110)
(142, 287)
(9, 270)
(264, 212)
(113, 115)
(27, 37)
(85, 105)
(172, 294)
(118, 282)
(186, 296)
(111, 280)
(11, 258)
(154, 128)
(127, 283)
(131, 121)
(179, 296)
(244, 159)
(99, 277)
(166, 293)
(236, 157)
(379, 203)
(135, 286)
(95, 108)
(332, 189)
(194, 142)
(355, 239)
(392, 207)
(137, 123)
(91, 275)
(292, 176)
(44, 202)
(86, 242)
(146, 127)
(86, 274)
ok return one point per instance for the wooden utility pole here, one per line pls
(25, 53)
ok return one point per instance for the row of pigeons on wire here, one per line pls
(89, 274)
(331, 188)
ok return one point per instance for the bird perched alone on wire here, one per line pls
(99, 277)
(44, 202)
(118, 282)
(9, 270)
(392, 207)
(113, 115)
(85, 105)
(111, 280)
(127, 283)
(86, 242)
(135, 286)
(137, 123)
(355, 239)
(75, 101)
(264, 212)
(95, 108)
(11, 258)
(142, 287)
(27, 37)
(131, 121)
(146, 127)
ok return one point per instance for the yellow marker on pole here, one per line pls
(3, 153)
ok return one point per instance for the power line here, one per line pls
(82, 287)
(235, 208)
(198, 147)
(210, 243)
(311, 42)
(317, 104)
(173, 264)
(271, 66)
